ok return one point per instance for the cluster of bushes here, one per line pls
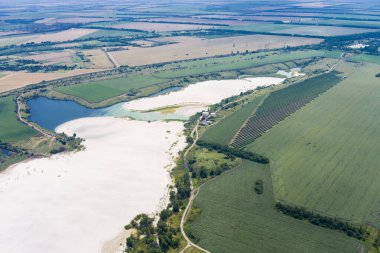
(234, 152)
(202, 172)
(259, 187)
(68, 142)
(30, 65)
(323, 221)
(162, 237)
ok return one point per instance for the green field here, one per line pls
(189, 68)
(111, 33)
(310, 30)
(282, 103)
(366, 58)
(234, 218)
(12, 130)
(224, 131)
(325, 157)
(325, 31)
(261, 28)
(98, 91)
(353, 23)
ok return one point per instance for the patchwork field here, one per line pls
(325, 156)
(160, 27)
(101, 90)
(12, 130)
(191, 48)
(234, 218)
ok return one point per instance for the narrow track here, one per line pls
(40, 130)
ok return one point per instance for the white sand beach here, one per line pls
(76, 202)
(202, 94)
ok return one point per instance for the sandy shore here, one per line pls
(201, 94)
(77, 202)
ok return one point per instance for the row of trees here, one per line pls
(230, 151)
(8, 64)
(323, 221)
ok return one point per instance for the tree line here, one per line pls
(300, 213)
(229, 151)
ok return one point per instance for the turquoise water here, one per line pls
(50, 113)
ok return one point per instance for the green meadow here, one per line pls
(98, 91)
(12, 130)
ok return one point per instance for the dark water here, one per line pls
(50, 113)
(5, 152)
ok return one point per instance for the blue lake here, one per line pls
(50, 113)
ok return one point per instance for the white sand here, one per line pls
(76, 202)
(202, 94)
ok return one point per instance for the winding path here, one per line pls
(193, 195)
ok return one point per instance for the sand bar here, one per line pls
(201, 94)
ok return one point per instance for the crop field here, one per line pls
(224, 131)
(234, 218)
(12, 130)
(282, 103)
(98, 58)
(160, 27)
(326, 30)
(262, 27)
(353, 23)
(203, 21)
(111, 33)
(313, 30)
(98, 91)
(326, 155)
(18, 79)
(237, 62)
(365, 58)
(12, 40)
(191, 48)
(66, 35)
(61, 57)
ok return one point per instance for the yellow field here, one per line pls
(14, 80)
(160, 27)
(98, 58)
(191, 48)
(66, 35)
(63, 57)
